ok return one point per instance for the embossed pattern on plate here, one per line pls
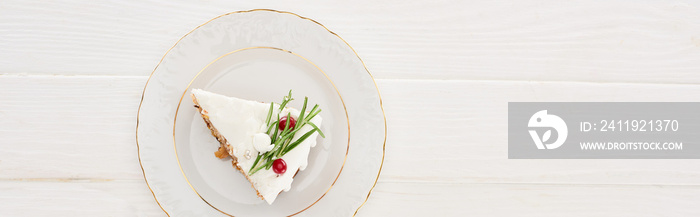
(267, 28)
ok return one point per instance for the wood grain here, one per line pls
(86, 125)
(611, 41)
(132, 198)
(102, 198)
(430, 199)
(72, 72)
(456, 131)
(75, 127)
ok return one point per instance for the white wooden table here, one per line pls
(71, 76)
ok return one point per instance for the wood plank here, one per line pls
(459, 133)
(132, 198)
(430, 199)
(110, 198)
(610, 41)
(78, 127)
(82, 127)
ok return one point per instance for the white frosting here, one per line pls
(262, 142)
(242, 122)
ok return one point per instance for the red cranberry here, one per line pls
(279, 166)
(283, 122)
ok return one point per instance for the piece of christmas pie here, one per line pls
(268, 142)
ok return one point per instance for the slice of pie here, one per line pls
(269, 144)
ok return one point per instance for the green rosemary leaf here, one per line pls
(283, 105)
(277, 146)
(301, 114)
(269, 113)
(303, 119)
(317, 129)
(266, 165)
(276, 149)
(284, 145)
(286, 100)
(274, 135)
(284, 132)
(286, 137)
(282, 142)
(255, 170)
(269, 153)
(312, 115)
(307, 120)
(286, 123)
(313, 110)
(269, 128)
(255, 163)
(296, 143)
(269, 164)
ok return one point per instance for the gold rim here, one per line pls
(347, 147)
(381, 105)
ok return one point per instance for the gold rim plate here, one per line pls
(246, 185)
(227, 33)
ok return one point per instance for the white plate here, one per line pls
(240, 74)
(260, 55)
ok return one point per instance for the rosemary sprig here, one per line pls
(317, 130)
(274, 135)
(269, 113)
(282, 139)
(262, 166)
(303, 109)
(286, 100)
(256, 161)
(295, 143)
(269, 128)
